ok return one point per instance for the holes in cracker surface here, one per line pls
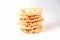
(23, 11)
(27, 30)
(27, 26)
(31, 26)
(27, 22)
(34, 28)
(36, 21)
(32, 22)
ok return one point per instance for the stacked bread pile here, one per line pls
(30, 20)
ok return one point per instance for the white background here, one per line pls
(9, 16)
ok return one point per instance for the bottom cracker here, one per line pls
(32, 31)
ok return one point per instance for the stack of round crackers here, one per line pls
(30, 20)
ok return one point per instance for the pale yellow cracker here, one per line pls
(30, 11)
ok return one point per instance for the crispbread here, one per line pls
(26, 23)
(30, 20)
(30, 11)
(34, 30)
(41, 19)
(30, 17)
(30, 27)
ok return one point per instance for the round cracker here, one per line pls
(31, 31)
(30, 11)
(41, 19)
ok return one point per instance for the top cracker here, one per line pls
(30, 11)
